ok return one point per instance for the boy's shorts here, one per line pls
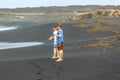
(55, 45)
(60, 46)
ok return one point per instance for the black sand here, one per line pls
(35, 63)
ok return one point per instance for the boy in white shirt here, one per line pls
(54, 37)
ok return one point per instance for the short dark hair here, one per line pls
(54, 26)
(59, 24)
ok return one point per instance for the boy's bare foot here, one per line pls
(58, 60)
(54, 57)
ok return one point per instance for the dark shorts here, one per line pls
(60, 46)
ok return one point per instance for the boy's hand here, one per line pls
(51, 38)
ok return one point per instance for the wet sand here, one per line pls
(35, 63)
(80, 67)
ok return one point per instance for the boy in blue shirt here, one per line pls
(60, 42)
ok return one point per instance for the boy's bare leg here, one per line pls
(61, 54)
(60, 58)
(55, 53)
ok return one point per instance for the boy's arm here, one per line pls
(51, 37)
(60, 34)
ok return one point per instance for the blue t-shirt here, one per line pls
(60, 36)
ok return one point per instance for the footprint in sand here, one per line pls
(59, 69)
(40, 72)
(48, 69)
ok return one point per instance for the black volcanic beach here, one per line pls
(91, 48)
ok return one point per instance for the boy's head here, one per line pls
(54, 28)
(58, 26)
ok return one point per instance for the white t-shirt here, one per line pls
(55, 37)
